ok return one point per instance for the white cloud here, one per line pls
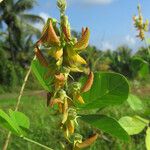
(44, 15)
(130, 40)
(107, 45)
(100, 2)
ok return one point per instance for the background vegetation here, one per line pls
(17, 36)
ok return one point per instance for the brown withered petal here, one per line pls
(70, 125)
(87, 142)
(88, 83)
(40, 57)
(83, 31)
(49, 35)
(49, 95)
(84, 41)
(59, 80)
(66, 33)
(60, 77)
(60, 107)
(55, 101)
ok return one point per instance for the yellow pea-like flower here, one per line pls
(56, 52)
(75, 58)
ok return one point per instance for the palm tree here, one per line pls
(12, 13)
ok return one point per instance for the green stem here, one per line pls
(147, 46)
(34, 142)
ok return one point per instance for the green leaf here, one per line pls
(135, 103)
(147, 138)
(20, 118)
(40, 73)
(106, 124)
(140, 67)
(107, 89)
(6, 122)
(133, 125)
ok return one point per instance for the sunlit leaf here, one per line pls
(135, 103)
(147, 138)
(133, 125)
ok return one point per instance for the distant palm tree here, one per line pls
(13, 14)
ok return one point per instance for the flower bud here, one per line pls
(72, 114)
(62, 5)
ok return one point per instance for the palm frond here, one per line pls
(32, 18)
(22, 5)
(32, 30)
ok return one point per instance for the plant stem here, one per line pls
(34, 142)
(147, 46)
(18, 103)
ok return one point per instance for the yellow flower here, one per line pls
(56, 52)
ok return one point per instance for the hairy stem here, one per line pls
(18, 103)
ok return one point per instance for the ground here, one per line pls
(44, 126)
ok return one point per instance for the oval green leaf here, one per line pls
(20, 118)
(40, 73)
(135, 103)
(106, 124)
(133, 125)
(6, 122)
(107, 89)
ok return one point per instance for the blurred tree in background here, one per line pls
(17, 36)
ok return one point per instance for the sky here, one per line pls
(110, 21)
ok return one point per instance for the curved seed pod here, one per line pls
(88, 83)
(87, 142)
(84, 41)
(40, 57)
(70, 125)
(49, 35)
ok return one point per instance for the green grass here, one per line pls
(45, 125)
